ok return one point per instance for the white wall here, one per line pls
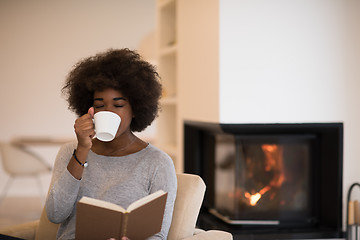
(282, 61)
(293, 61)
(39, 42)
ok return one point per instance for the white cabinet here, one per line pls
(168, 121)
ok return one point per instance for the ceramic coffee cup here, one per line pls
(106, 125)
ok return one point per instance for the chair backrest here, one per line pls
(46, 230)
(19, 161)
(190, 194)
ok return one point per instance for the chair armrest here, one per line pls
(211, 235)
(25, 230)
(198, 231)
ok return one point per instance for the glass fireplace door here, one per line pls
(265, 179)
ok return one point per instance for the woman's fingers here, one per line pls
(91, 112)
(84, 129)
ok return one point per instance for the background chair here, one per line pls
(20, 162)
(190, 194)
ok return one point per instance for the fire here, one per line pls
(273, 162)
(254, 198)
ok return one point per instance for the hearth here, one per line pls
(266, 179)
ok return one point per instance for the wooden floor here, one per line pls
(16, 210)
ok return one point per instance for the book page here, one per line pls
(101, 203)
(146, 220)
(94, 222)
(144, 200)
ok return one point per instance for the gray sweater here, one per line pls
(120, 180)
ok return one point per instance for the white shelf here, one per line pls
(167, 136)
(168, 50)
(166, 23)
(165, 3)
(166, 101)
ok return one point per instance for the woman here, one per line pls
(124, 169)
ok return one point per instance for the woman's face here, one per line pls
(114, 101)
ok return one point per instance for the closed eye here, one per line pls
(99, 106)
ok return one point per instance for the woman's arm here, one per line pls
(165, 179)
(64, 187)
(68, 170)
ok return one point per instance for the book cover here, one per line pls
(98, 219)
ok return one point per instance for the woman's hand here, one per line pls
(84, 129)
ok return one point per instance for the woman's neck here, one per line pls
(121, 146)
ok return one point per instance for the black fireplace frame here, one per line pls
(330, 181)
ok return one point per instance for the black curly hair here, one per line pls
(120, 69)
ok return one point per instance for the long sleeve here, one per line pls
(64, 188)
(165, 179)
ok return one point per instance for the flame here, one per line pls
(254, 198)
(273, 162)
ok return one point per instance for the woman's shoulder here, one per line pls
(159, 158)
(154, 151)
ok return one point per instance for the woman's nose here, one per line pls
(108, 108)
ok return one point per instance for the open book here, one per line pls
(97, 219)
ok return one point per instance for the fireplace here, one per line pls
(268, 179)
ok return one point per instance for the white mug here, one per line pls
(106, 125)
